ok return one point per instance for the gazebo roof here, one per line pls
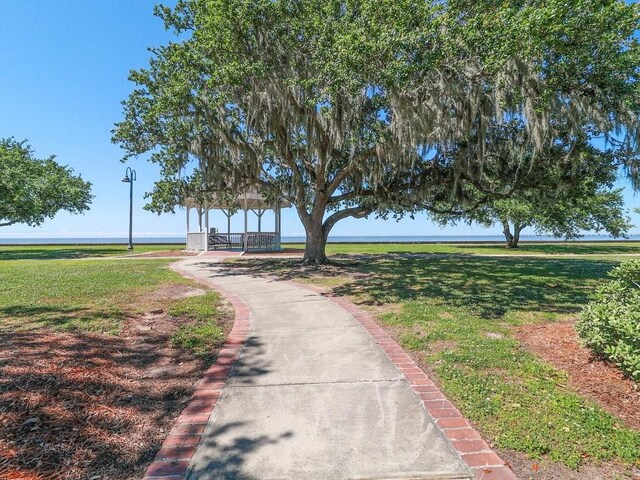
(251, 198)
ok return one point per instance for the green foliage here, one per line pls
(348, 108)
(610, 323)
(205, 334)
(32, 190)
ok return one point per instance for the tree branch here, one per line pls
(345, 196)
(355, 212)
(349, 169)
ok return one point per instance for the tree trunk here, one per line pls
(517, 228)
(316, 242)
(512, 238)
(317, 228)
(512, 242)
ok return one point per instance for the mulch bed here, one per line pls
(88, 406)
(557, 343)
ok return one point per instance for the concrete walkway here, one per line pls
(312, 396)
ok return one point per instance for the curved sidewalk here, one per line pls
(316, 393)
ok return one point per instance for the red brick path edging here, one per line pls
(173, 459)
(474, 451)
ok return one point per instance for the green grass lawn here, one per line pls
(89, 295)
(82, 295)
(459, 313)
(559, 248)
(50, 252)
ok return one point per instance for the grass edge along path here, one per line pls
(461, 322)
(203, 334)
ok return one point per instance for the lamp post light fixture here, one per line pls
(130, 177)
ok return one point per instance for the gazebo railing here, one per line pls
(215, 241)
(261, 241)
(225, 240)
(255, 240)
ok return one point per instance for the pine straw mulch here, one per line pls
(557, 343)
(89, 406)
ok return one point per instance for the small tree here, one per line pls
(32, 190)
(563, 201)
(348, 108)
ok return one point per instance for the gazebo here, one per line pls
(212, 238)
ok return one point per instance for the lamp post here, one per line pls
(130, 177)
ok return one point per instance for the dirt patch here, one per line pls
(557, 343)
(494, 335)
(81, 406)
(442, 345)
(173, 291)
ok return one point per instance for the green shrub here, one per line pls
(610, 323)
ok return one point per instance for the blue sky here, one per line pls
(63, 73)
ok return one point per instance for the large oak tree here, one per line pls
(348, 108)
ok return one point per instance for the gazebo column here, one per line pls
(187, 244)
(245, 237)
(277, 227)
(206, 228)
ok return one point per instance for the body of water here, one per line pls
(336, 239)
